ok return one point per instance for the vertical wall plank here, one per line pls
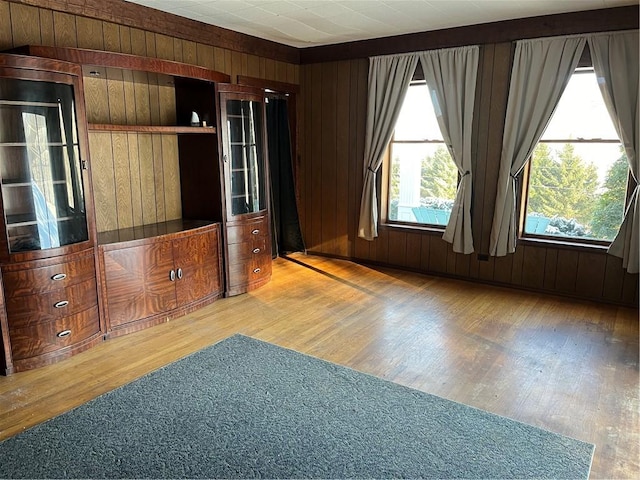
(158, 177)
(171, 172)
(342, 244)
(115, 93)
(6, 37)
(147, 180)
(124, 200)
(219, 62)
(134, 179)
(154, 98)
(111, 33)
(128, 87)
(102, 178)
(164, 47)
(253, 66)
(204, 55)
(125, 39)
(138, 41)
(25, 25)
(47, 35)
(141, 92)
(167, 104)
(64, 30)
(189, 52)
(533, 267)
(89, 33)
(177, 50)
(150, 40)
(96, 98)
(567, 271)
(329, 207)
(397, 247)
(414, 251)
(590, 274)
(425, 252)
(613, 279)
(316, 203)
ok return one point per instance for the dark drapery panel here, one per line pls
(286, 234)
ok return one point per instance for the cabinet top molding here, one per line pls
(124, 61)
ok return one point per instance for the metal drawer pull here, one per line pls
(256, 250)
(255, 232)
(172, 275)
(179, 273)
(64, 333)
(59, 276)
(256, 270)
(61, 304)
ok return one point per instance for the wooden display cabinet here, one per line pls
(47, 233)
(246, 176)
(153, 274)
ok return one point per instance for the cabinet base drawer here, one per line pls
(249, 272)
(48, 337)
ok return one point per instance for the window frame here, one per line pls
(418, 79)
(523, 178)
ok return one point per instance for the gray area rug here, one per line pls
(243, 408)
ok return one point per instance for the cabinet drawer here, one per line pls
(50, 336)
(247, 231)
(35, 309)
(245, 251)
(250, 271)
(45, 279)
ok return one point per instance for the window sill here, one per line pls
(564, 245)
(432, 229)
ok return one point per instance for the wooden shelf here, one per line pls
(108, 127)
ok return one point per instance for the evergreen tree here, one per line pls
(563, 187)
(439, 176)
(609, 211)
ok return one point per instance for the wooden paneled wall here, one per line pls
(135, 176)
(331, 173)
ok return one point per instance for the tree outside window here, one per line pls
(578, 172)
(422, 176)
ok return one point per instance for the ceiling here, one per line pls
(307, 23)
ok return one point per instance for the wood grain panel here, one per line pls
(164, 47)
(567, 271)
(612, 280)
(328, 168)
(315, 202)
(6, 37)
(135, 180)
(253, 66)
(47, 35)
(25, 25)
(158, 177)
(89, 33)
(177, 49)
(138, 283)
(96, 96)
(64, 30)
(167, 102)
(414, 250)
(343, 73)
(116, 96)
(397, 247)
(138, 42)
(590, 274)
(171, 181)
(103, 181)
(425, 252)
(121, 165)
(219, 59)
(154, 99)
(111, 34)
(40, 339)
(129, 92)
(533, 267)
(150, 40)
(125, 39)
(204, 56)
(189, 52)
(141, 92)
(197, 256)
(360, 89)
(147, 180)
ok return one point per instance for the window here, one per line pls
(422, 176)
(577, 176)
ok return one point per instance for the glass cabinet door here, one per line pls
(245, 156)
(41, 181)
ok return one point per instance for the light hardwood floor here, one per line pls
(564, 365)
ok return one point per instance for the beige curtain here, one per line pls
(451, 77)
(541, 70)
(389, 78)
(615, 60)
